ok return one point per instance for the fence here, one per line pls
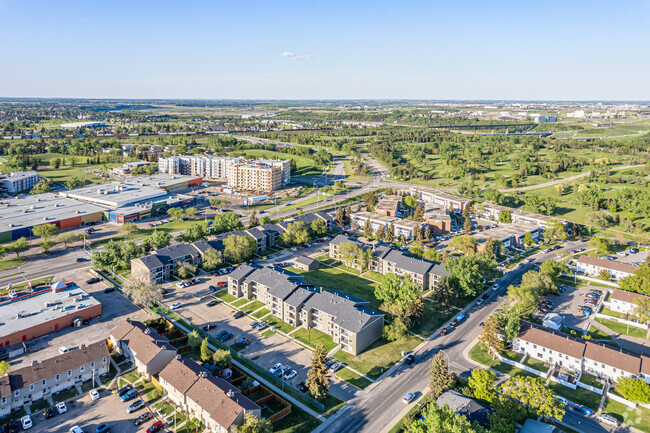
(563, 382)
(593, 280)
(623, 321)
(621, 399)
(589, 387)
(523, 367)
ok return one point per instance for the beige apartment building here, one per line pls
(255, 177)
(345, 318)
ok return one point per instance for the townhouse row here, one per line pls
(386, 260)
(345, 318)
(161, 264)
(580, 356)
(595, 266)
(217, 404)
(44, 379)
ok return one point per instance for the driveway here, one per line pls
(567, 305)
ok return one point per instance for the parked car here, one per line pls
(444, 331)
(262, 325)
(63, 350)
(561, 399)
(290, 375)
(135, 406)
(102, 428)
(302, 387)
(158, 425)
(94, 395)
(209, 326)
(485, 296)
(93, 280)
(608, 419)
(61, 407)
(410, 359)
(175, 305)
(49, 412)
(458, 320)
(495, 287)
(130, 395)
(222, 284)
(408, 398)
(583, 409)
(76, 429)
(212, 303)
(479, 302)
(142, 418)
(82, 259)
(590, 301)
(253, 324)
(336, 367)
(26, 421)
(123, 390)
(275, 368)
(109, 289)
(226, 337)
(212, 288)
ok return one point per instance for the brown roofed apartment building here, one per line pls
(550, 346)
(43, 379)
(593, 266)
(150, 351)
(605, 361)
(622, 301)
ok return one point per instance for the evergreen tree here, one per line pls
(252, 221)
(389, 234)
(379, 233)
(367, 229)
(318, 381)
(427, 233)
(440, 378)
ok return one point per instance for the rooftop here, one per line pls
(607, 264)
(505, 231)
(31, 310)
(32, 210)
(115, 194)
(440, 193)
(617, 358)
(472, 409)
(553, 340)
(625, 296)
(18, 175)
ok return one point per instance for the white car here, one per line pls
(408, 398)
(180, 285)
(495, 287)
(294, 249)
(608, 419)
(63, 350)
(76, 429)
(562, 400)
(175, 305)
(290, 375)
(26, 421)
(275, 368)
(61, 407)
(94, 395)
(479, 302)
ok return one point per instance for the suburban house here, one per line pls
(212, 400)
(388, 260)
(347, 319)
(45, 378)
(607, 362)
(149, 351)
(550, 346)
(593, 266)
(473, 410)
(439, 197)
(622, 301)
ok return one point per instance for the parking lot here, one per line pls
(567, 303)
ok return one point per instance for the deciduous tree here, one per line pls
(239, 248)
(483, 384)
(18, 246)
(634, 389)
(46, 231)
(533, 395)
(142, 291)
(253, 424)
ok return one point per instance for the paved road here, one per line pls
(381, 407)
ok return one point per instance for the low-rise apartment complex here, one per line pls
(439, 197)
(48, 377)
(622, 301)
(594, 266)
(13, 183)
(347, 319)
(400, 226)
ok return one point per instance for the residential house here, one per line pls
(550, 346)
(45, 378)
(149, 351)
(473, 410)
(622, 301)
(608, 362)
(594, 266)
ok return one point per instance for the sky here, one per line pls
(465, 50)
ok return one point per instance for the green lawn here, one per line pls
(621, 328)
(593, 333)
(304, 166)
(335, 279)
(479, 354)
(261, 313)
(66, 172)
(225, 296)
(537, 365)
(314, 337)
(279, 324)
(353, 378)
(379, 357)
(132, 376)
(590, 380)
(638, 417)
(578, 395)
(298, 421)
(376, 276)
(432, 319)
(64, 395)
(239, 302)
(11, 263)
(251, 306)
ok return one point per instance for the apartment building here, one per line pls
(283, 164)
(511, 235)
(16, 182)
(439, 197)
(607, 362)
(196, 165)
(491, 211)
(161, 264)
(43, 379)
(212, 400)
(594, 266)
(347, 319)
(309, 218)
(622, 301)
(149, 351)
(255, 177)
(437, 218)
(400, 227)
(550, 346)
(389, 205)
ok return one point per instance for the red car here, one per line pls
(155, 427)
(209, 327)
(590, 301)
(444, 331)
(221, 284)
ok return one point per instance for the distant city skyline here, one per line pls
(285, 50)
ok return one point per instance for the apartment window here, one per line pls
(92, 364)
(31, 387)
(69, 373)
(614, 370)
(82, 368)
(58, 377)
(4, 400)
(534, 346)
(17, 393)
(43, 383)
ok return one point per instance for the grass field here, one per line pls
(379, 357)
(314, 337)
(11, 263)
(479, 354)
(432, 319)
(621, 328)
(638, 417)
(279, 324)
(578, 395)
(298, 421)
(66, 171)
(353, 378)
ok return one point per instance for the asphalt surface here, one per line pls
(381, 407)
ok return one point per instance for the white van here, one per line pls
(608, 419)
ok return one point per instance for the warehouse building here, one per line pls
(19, 215)
(44, 310)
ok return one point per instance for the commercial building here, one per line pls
(255, 177)
(439, 197)
(18, 215)
(149, 351)
(13, 183)
(42, 380)
(45, 309)
(140, 211)
(594, 266)
(347, 319)
(212, 400)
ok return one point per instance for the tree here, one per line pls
(265, 220)
(466, 244)
(440, 378)
(554, 269)
(396, 330)
(222, 358)
(160, 239)
(318, 228)
(176, 214)
(253, 424)
(370, 199)
(634, 389)
(418, 215)
(5, 368)
(226, 222)
(212, 258)
(492, 335)
(46, 231)
(339, 218)
(46, 245)
(206, 353)
(505, 216)
(533, 395)
(194, 339)
(528, 239)
(142, 291)
(380, 233)
(467, 224)
(483, 385)
(604, 275)
(252, 220)
(602, 245)
(239, 248)
(642, 309)
(389, 234)
(443, 420)
(559, 188)
(296, 234)
(432, 255)
(197, 231)
(129, 228)
(399, 293)
(466, 273)
(638, 282)
(445, 295)
(185, 270)
(66, 238)
(349, 253)
(75, 182)
(367, 229)
(427, 233)
(318, 381)
(41, 187)
(190, 213)
(18, 246)
(555, 230)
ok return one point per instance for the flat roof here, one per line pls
(131, 209)
(115, 194)
(17, 175)
(81, 124)
(502, 232)
(373, 216)
(161, 180)
(32, 210)
(33, 312)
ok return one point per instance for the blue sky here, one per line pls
(560, 50)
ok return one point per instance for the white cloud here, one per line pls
(293, 56)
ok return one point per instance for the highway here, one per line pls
(381, 407)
